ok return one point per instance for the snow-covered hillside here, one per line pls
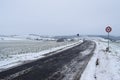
(34, 37)
(103, 65)
(25, 37)
(10, 38)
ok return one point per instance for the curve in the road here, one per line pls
(65, 65)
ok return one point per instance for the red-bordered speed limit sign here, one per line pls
(108, 29)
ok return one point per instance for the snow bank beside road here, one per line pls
(108, 67)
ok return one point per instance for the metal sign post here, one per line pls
(108, 30)
(108, 41)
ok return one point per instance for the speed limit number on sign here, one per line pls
(108, 29)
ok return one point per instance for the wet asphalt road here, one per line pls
(65, 65)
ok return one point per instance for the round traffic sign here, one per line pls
(108, 29)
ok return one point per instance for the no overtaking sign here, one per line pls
(108, 29)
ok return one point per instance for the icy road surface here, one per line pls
(65, 65)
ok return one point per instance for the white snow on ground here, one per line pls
(15, 60)
(108, 67)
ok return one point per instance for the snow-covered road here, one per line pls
(102, 65)
(65, 65)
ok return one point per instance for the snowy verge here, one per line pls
(15, 60)
(103, 65)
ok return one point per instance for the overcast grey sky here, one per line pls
(59, 17)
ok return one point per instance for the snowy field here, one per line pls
(103, 65)
(13, 53)
(20, 47)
